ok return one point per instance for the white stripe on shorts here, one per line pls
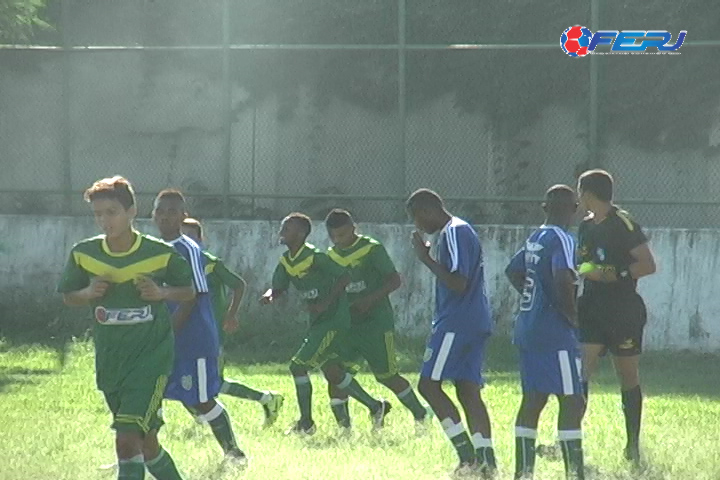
(578, 364)
(442, 356)
(202, 380)
(566, 372)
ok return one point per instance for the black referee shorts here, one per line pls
(617, 323)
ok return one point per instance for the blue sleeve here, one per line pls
(517, 263)
(195, 259)
(563, 252)
(463, 250)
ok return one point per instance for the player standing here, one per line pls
(615, 254)
(322, 284)
(461, 326)
(219, 277)
(118, 275)
(372, 333)
(195, 380)
(543, 271)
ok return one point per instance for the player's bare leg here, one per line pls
(478, 419)
(449, 416)
(526, 424)
(129, 448)
(405, 393)
(303, 389)
(343, 380)
(157, 460)
(213, 413)
(591, 354)
(570, 415)
(628, 371)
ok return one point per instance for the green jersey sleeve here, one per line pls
(381, 261)
(280, 279)
(228, 278)
(178, 272)
(74, 277)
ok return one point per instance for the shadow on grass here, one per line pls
(21, 376)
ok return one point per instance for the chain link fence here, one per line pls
(258, 108)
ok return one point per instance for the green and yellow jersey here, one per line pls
(219, 277)
(313, 274)
(369, 265)
(133, 337)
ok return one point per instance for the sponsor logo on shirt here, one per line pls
(123, 316)
(356, 287)
(186, 381)
(310, 294)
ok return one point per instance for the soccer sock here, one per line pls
(339, 407)
(586, 389)
(460, 440)
(163, 467)
(524, 451)
(238, 390)
(408, 398)
(572, 452)
(303, 388)
(353, 388)
(132, 468)
(484, 453)
(632, 408)
(219, 421)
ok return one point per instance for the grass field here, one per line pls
(54, 424)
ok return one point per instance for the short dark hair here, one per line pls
(338, 218)
(194, 223)
(170, 194)
(598, 182)
(424, 198)
(302, 220)
(114, 188)
(559, 192)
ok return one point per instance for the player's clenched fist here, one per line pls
(149, 290)
(421, 247)
(267, 297)
(97, 288)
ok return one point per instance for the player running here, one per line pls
(321, 283)
(195, 380)
(461, 326)
(118, 274)
(543, 271)
(220, 278)
(614, 253)
(372, 332)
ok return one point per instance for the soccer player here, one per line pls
(118, 274)
(543, 271)
(461, 326)
(195, 379)
(614, 253)
(321, 283)
(219, 277)
(373, 277)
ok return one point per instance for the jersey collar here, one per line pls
(292, 258)
(133, 248)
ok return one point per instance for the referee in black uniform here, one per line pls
(614, 254)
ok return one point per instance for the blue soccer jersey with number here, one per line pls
(540, 325)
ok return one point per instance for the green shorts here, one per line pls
(322, 343)
(138, 409)
(375, 344)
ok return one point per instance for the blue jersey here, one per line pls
(459, 250)
(540, 325)
(199, 337)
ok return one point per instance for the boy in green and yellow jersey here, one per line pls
(119, 275)
(321, 283)
(372, 332)
(220, 278)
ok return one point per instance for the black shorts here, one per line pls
(616, 323)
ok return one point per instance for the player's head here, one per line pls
(193, 229)
(113, 203)
(341, 228)
(595, 186)
(295, 229)
(560, 204)
(169, 211)
(427, 210)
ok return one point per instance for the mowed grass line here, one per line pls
(54, 425)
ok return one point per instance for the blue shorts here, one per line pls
(556, 372)
(455, 356)
(194, 381)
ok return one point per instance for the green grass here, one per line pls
(54, 424)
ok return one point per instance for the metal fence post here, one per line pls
(227, 110)
(402, 101)
(594, 155)
(66, 126)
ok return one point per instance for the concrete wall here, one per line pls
(681, 297)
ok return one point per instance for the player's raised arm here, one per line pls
(342, 280)
(237, 286)
(644, 263)
(382, 262)
(515, 271)
(280, 284)
(97, 288)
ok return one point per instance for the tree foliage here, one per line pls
(19, 19)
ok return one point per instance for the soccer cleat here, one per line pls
(272, 409)
(550, 452)
(302, 428)
(632, 454)
(235, 459)
(378, 416)
(422, 425)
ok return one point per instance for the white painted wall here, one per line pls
(682, 303)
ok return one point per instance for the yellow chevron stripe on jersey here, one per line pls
(353, 259)
(299, 270)
(209, 268)
(121, 274)
(625, 217)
